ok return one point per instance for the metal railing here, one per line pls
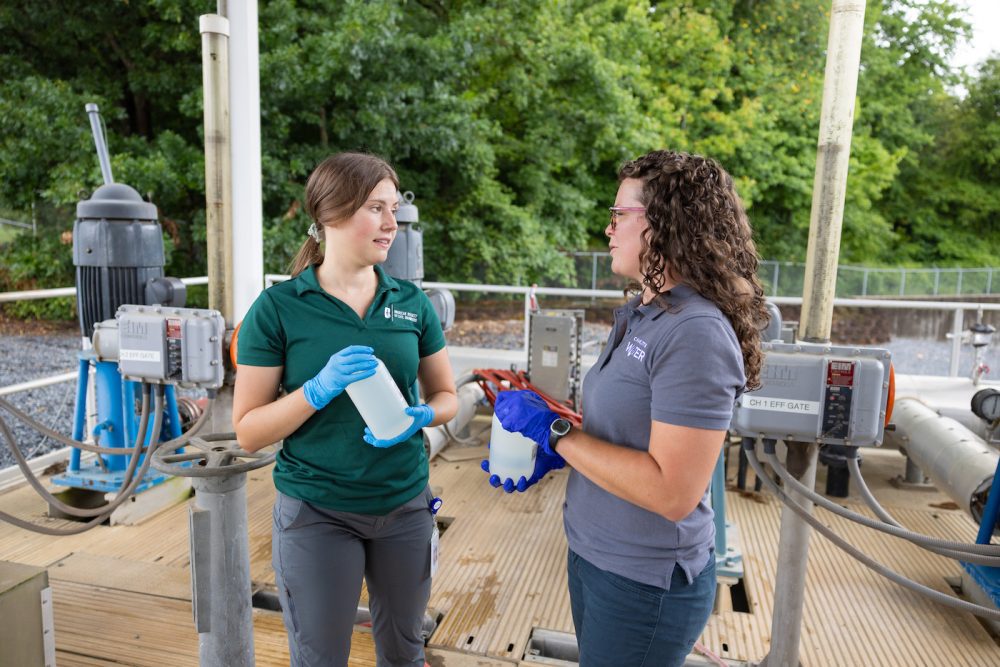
(530, 294)
(593, 270)
(56, 292)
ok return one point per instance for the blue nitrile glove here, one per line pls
(544, 462)
(353, 363)
(422, 416)
(527, 413)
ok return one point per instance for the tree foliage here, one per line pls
(508, 120)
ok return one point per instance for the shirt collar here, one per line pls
(674, 296)
(307, 281)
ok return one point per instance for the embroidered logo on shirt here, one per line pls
(393, 313)
(636, 348)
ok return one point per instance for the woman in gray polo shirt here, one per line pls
(656, 407)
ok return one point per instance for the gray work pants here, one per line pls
(319, 557)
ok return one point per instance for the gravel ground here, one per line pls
(24, 358)
(27, 357)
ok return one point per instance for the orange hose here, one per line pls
(495, 380)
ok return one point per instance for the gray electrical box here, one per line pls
(164, 345)
(26, 630)
(554, 340)
(817, 393)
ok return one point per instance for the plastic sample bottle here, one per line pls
(381, 404)
(512, 455)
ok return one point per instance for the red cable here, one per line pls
(495, 380)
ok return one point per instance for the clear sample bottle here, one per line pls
(381, 404)
(512, 455)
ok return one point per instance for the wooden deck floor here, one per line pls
(122, 594)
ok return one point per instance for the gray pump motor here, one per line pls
(406, 258)
(406, 254)
(118, 254)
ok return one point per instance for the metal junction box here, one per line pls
(27, 638)
(171, 345)
(554, 352)
(817, 393)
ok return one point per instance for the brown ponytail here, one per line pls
(309, 253)
(336, 189)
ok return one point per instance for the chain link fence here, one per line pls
(593, 271)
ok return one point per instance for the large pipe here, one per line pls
(469, 396)
(843, 58)
(957, 460)
(218, 167)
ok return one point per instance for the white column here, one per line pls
(248, 213)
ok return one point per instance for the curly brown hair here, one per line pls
(699, 235)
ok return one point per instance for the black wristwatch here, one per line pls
(558, 429)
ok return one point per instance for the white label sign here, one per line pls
(139, 355)
(751, 402)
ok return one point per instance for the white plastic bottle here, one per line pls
(512, 455)
(381, 404)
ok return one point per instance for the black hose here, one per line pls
(871, 563)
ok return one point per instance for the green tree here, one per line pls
(507, 119)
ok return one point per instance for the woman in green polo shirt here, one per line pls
(348, 505)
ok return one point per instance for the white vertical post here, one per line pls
(957, 324)
(218, 172)
(840, 83)
(248, 210)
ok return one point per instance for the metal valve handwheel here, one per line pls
(211, 455)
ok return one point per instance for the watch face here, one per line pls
(561, 426)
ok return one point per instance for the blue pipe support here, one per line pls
(171, 419)
(991, 513)
(719, 503)
(728, 558)
(80, 413)
(128, 412)
(988, 578)
(108, 394)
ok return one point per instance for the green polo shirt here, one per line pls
(297, 325)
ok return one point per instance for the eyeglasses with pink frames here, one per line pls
(618, 211)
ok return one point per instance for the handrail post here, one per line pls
(527, 322)
(956, 341)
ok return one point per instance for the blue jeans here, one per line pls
(623, 623)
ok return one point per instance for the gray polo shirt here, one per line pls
(681, 365)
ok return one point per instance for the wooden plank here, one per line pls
(502, 572)
(101, 626)
(502, 567)
(125, 575)
(453, 453)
